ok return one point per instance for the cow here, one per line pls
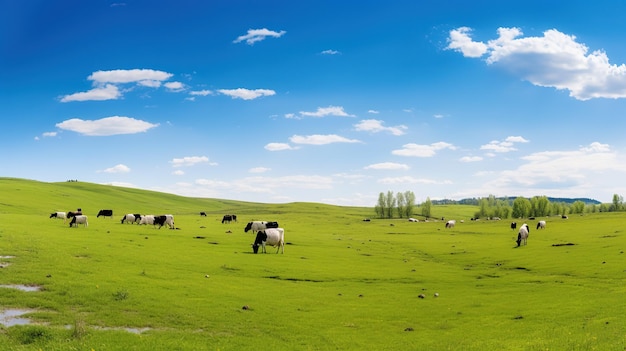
(255, 226)
(137, 217)
(513, 225)
(71, 214)
(271, 225)
(450, 223)
(413, 219)
(541, 225)
(79, 219)
(202, 214)
(522, 235)
(272, 236)
(59, 215)
(147, 219)
(228, 218)
(105, 213)
(129, 218)
(164, 220)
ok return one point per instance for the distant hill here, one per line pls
(475, 201)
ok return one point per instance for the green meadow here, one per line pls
(342, 283)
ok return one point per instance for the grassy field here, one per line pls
(342, 284)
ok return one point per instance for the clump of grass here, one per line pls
(80, 328)
(120, 295)
(31, 334)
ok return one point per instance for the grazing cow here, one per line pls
(271, 225)
(162, 220)
(541, 225)
(147, 219)
(513, 225)
(129, 218)
(228, 218)
(450, 223)
(522, 235)
(272, 236)
(413, 220)
(137, 217)
(255, 226)
(105, 213)
(59, 215)
(203, 214)
(71, 214)
(79, 219)
(564, 216)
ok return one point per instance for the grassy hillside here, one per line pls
(342, 284)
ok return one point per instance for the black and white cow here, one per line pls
(513, 225)
(522, 235)
(451, 223)
(79, 219)
(128, 218)
(58, 215)
(162, 220)
(147, 219)
(105, 213)
(71, 214)
(203, 214)
(273, 237)
(255, 226)
(541, 225)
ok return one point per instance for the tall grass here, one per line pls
(342, 284)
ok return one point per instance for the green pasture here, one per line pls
(342, 284)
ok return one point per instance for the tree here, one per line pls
(578, 207)
(521, 207)
(618, 203)
(390, 204)
(400, 204)
(380, 206)
(409, 198)
(426, 207)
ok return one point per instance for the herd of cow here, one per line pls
(267, 233)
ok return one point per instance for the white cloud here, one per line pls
(259, 170)
(201, 92)
(129, 76)
(255, 35)
(318, 139)
(471, 159)
(246, 94)
(388, 166)
(190, 161)
(174, 86)
(330, 52)
(106, 126)
(416, 150)
(373, 112)
(49, 134)
(554, 60)
(117, 169)
(107, 92)
(375, 126)
(411, 180)
(327, 111)
(178, 172)
(507, 145)
(278, 147)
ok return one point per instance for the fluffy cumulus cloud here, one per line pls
(114, 125)
(106, 92)
(554, 60)
(375, 126)
(117, 169)
(246, 94)
(417, 150)
(189, 161)
(502, 146)
(106, 83)
(278, 147)
(318, 139)
(256, 35)
(388, 166)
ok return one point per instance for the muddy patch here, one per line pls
(11, 317)
(27, 288)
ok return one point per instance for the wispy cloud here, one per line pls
(256, 35)
(388, 166)
(468, 159)
(121, 168)
(417, 150)
(107, 92)
(327, 111)
(330, 52)
(259, 170)
(412, 180)
(246, 94)
(278, 147)
(114, 125)
(129, 76)
(318, 139)
(503, 146)
(189, 161)
(375, 126)
(554, 60)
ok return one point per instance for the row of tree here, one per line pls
(402, 204)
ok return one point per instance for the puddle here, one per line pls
(130, 330)
(27, 288)
(9, 318)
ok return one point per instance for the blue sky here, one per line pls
(320, 101)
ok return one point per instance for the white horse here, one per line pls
(522, 235)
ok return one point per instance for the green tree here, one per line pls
(618, 203)
(578, 207)
(521, 207)
(426, 207)
(400, 204)
(390, 203)
(409, 198)
(380, 206)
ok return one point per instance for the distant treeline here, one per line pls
(476, 201)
